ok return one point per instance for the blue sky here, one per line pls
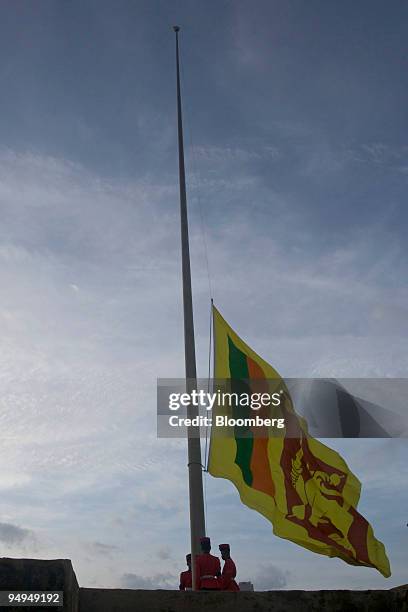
(297, 157)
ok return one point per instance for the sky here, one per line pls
(297, 168)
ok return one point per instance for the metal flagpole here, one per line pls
(195, 477)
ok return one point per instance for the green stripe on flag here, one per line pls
(239, 373)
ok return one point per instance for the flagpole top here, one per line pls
(176, 29)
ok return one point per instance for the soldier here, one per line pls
(229, 571)
(185, 577)
(208, 568)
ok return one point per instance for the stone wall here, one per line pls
(40, 575)
(58, 575)
(125, 600)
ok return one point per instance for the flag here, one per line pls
(304, 488)
(342, 409)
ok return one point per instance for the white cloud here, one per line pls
(270, 577)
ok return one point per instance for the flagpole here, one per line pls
(195, 477)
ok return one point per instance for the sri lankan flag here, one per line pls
(303, 487)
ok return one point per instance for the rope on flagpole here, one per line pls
(196, 175)
(208, 387)
(206, 427)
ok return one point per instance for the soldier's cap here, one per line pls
(205, 541)
(188, 557)
(224, 547)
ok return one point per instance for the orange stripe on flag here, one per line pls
(260, 468)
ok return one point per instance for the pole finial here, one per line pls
(176, 28)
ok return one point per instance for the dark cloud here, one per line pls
(271, 577)
(158, 581)
(98, 548)
(12, 534)
(164, 553)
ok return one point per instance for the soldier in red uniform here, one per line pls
(229, 571)
(185, 577)
(208, 568)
